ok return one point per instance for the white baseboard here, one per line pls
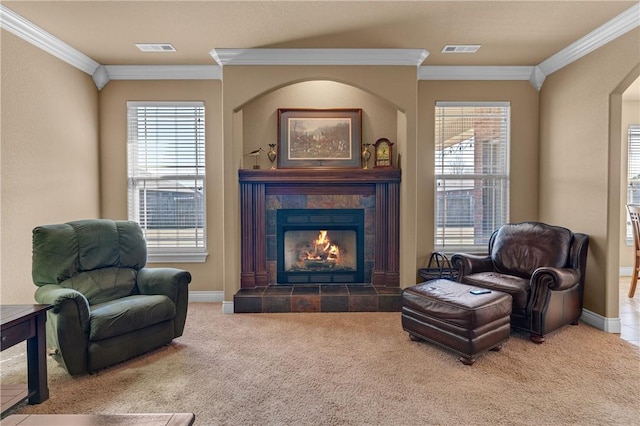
(608, 325)
(206, 296)
(227, 307)
(211, 296)
(626, 271)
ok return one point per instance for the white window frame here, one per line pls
(633, 174)
(182, 243)
(462, 237)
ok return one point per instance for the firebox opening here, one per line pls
(322, 250)
(320, 246)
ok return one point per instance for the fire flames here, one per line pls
(323, 250)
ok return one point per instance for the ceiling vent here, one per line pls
(460, 48)
(156, 47)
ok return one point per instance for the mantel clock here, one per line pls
(382, 153)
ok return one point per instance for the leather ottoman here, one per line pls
(446, 313)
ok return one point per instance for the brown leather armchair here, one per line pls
(541, 266)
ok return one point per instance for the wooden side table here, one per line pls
(147, 419)
(20, 323)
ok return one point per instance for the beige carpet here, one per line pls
(353, 369)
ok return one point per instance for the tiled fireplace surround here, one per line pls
(263, 192)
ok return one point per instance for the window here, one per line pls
(166, 176)
(471, 173)
(633, 172)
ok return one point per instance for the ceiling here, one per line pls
(512, 33)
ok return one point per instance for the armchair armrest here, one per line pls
(172, 283)
(549, 288)
(556, 279)
(166, 281)
(62, 299)
(67, 325)
(471, 264)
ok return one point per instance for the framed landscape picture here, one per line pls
(327, 138)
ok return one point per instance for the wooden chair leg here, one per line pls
(634, 277)
(537, 339)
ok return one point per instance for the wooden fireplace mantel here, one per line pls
(351, 176)
(255, 185)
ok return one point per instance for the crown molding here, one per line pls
(616, 27)
(482, 73)
(106, 73)
(164, 72)
(101, 77)
(408, 57)
(602, 35)
(28, 31)
(537, 78)
(445, 72)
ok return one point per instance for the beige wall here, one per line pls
(630, 115)
(580, 160)
(523, 194)
(49, 160)
(113, 160)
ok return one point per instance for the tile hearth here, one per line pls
(317, 298)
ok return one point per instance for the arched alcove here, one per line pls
(258, 117)
(266, 194)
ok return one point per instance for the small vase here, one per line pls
(271, 155)
(366, 155)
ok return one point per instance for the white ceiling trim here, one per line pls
(408, 57)
(602, 35)
(482, 73)
(106, 73)
(16, 24)
(445, 72)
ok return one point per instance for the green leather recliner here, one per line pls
(107, 307)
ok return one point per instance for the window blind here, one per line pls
(633, 172)
(166, 175)
(471, 172)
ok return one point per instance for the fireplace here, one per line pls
(351, 205)
(320, 246)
